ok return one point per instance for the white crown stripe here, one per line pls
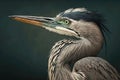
(73, 10)
(69, 10)
(80, 10)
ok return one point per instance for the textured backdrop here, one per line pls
(24, 48)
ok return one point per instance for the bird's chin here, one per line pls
(62, 31)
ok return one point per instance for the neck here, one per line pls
(65, 52)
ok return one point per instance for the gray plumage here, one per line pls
(75, 58)
(77, 52)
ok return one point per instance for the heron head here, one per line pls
(78, 22)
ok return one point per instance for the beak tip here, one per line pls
(12, 16)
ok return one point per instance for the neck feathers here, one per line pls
(53, 59)
(66, 52)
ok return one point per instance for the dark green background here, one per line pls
(24, 48)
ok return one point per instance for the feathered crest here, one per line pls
(84, 14)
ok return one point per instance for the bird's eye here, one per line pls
(64, 21)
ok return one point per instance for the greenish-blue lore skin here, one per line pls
(62, 22)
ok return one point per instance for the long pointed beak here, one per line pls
(34, 20)
(45, 22)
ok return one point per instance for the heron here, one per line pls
(76, 56)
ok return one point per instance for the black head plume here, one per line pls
(89, 16)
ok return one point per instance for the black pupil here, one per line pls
(66, 21)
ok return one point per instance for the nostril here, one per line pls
(48, 19)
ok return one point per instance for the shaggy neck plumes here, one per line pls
(66, 52)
